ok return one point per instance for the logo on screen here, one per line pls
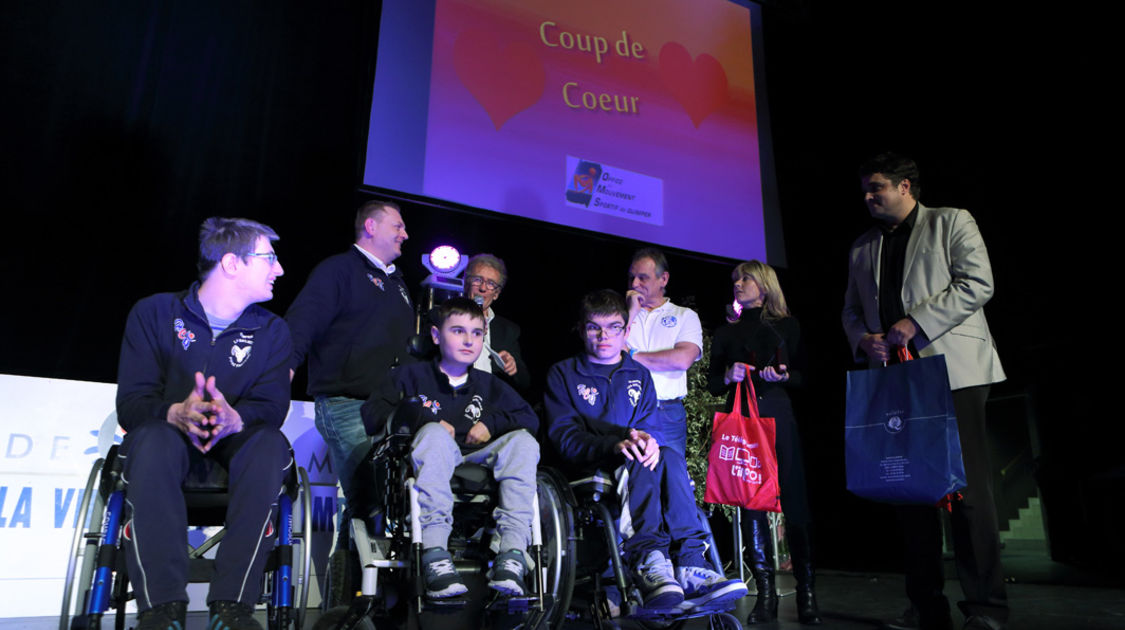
(580, 188)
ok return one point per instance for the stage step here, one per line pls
(1028, 525)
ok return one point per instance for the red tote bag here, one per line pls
(742, 464)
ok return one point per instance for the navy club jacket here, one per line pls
(588, 413)
(168, 339)
(482, 398)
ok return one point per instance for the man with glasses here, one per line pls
(352, 320)
(204, 375)
(601, 413)
(485, 277)
(665, 338)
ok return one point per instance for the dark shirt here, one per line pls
(891, 269)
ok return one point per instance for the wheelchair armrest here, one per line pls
(405, 416)
(597, 484)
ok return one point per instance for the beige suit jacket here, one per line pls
(946, 282)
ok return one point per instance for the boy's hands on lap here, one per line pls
(479, 434)
(449, 428)
(641, 447)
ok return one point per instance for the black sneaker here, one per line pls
(169, 616)
(441, 577)
(226, 615)
(507, 573)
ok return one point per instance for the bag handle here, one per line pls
(752, 396)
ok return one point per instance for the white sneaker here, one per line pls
(658, 585)
(704, 586)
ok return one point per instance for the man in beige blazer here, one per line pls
(920, 278)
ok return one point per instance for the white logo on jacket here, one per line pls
(474, 408)
(239, 354)
(589, 394)
(634, 390)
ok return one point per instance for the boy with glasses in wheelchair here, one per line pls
(601, 406)
(467, 416)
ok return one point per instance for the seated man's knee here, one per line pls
(267, 439)
(155, 442)
(154, 434)
(523, 441)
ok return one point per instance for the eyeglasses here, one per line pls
(270, 257)
(491, 285)
(613, 330)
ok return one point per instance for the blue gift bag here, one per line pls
(900, 433)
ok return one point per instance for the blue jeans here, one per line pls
(673, 425)
(339, 423)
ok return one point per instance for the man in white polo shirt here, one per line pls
(663, 337)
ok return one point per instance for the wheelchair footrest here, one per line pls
(445, 603)
(518, 605)
(686, 610)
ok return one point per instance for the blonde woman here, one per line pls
(765, 342)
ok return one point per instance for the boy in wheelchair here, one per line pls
(468, 416)
(601, 409)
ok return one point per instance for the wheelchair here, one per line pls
(594, 505)
(379, 581)
(102, 578)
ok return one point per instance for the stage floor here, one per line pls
(1044, 595)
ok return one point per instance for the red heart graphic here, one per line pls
(699, 86)
(505, 82)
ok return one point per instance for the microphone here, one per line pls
(732, 315)
(496, 360)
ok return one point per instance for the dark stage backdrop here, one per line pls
(124, 126)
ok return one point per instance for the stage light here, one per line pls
(445, 264)
(444, 259)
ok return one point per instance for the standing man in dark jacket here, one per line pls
(204, 376)
(352, 320)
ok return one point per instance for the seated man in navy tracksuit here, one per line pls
(601, 409)
(467, 416)
(204, 375)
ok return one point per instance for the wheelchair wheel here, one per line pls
(84, 546)
(557, 524)
(343, 578)
(724, 621)
(333, 617)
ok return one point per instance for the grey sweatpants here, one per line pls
(512, 457)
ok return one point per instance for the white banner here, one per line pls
(51, 433)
